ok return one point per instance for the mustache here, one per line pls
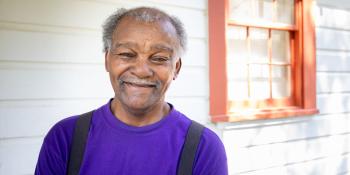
(138, 81)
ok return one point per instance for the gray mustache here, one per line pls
(137, 81)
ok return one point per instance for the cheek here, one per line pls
(116, 69)
(114, 76)
(166, 77)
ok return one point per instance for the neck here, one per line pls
(139, 117)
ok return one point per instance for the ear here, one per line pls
(106, 61)
(178, 65)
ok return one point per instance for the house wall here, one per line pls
(52, 67)
(311, 145)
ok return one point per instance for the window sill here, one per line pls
(246, 115)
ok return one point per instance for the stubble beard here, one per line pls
(138, 104)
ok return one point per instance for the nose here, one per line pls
(142, 69)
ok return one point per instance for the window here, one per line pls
(262, 59)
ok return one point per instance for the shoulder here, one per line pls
(59, 137)
(210, 142)
(210, 156)
(54, 151)
(179, 121)
(62, 129)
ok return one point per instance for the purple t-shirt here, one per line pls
(115, 148)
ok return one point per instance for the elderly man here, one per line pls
(136, 132)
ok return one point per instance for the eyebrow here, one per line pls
(127, 45)
(161, 47)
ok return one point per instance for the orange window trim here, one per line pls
(303, 100)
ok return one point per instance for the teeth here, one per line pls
(138, 83)
(142, 85)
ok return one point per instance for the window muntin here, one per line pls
(259, 63)
(259, 58)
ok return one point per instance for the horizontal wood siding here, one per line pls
(52, 67)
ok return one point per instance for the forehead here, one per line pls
(131, 29)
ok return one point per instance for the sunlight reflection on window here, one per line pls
(280, 81)
(280, 11)
(259, 88)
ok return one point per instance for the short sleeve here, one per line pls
(211, 156)
(54, 151)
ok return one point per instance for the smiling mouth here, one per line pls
(140, 85)
(135, 82)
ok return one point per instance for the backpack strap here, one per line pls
(77, 150)
(189, 150)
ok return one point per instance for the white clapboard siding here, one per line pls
(334, 4)
(196, 4)
(333, 61)
(333, 103)
(335, 165)
(32, 118)
(299, 128)
(279, 154)
(332, 39)
(90, 14)
(197, 88)
(50, 47)
(197, 53)
(19, 156)
(45, 81)
(325, 17)
(333, 82)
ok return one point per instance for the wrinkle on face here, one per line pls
(142, 64)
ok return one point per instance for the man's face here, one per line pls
(142, 62)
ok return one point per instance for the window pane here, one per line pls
(237, 81)
(280, 46)
(247, 10)
(237, 72)
(265, 9)
(281, 81)
(237, 50)
(237, 90)
(285, 11)
(241, 9)
(259, 82)
(237, 59)
(259, 45)
(281, 11)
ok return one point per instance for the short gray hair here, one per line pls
(144, 14)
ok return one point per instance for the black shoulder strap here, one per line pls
(189, 150)
(80, 135)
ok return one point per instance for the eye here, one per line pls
(126, 55)
(159, 59)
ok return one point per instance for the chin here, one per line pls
(141, 104)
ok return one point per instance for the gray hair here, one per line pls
(144, 14)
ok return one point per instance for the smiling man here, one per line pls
(137, 132)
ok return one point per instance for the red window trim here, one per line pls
(304, 81)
